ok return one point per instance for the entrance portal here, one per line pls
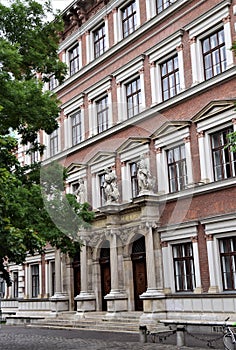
(138, 257)
(105, 274)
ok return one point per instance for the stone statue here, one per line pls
(145, 182)
(110, 187)
(80, 192)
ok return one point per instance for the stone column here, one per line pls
(60, 300)
(85, 300)
(153, 298)
(198, 287)
(214, 286)
(116, 299)
(152, 290)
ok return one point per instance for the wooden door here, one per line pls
(139, 271)
(105, 274)
(77, 279)
(105, 281)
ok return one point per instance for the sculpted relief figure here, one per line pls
(110, 187)
(80, 192)
(145, 182)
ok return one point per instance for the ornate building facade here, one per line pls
(145, 110)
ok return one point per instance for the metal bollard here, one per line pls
(180, 336)
(143, 334)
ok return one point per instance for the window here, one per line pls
(74, 59)
(76, 128)
(163, 4)
(2, 287)
(177, 169)
(214, 54)
(184, 267)
(15, 284)
(170, 78)
(129, 19)
(224, 161)
(134, 179)
(53, 279)
(228, 262)
(133, 95)
(102, 189)
(35, 280)
(53, 143)
(53, 82)
(102, 114)
(99, 41)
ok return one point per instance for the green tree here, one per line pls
(28, 57)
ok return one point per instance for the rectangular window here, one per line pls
(15, 284)
(134, 179)
(74, 59)
(129, 19)
(133, 96)
(99, 41)
(224, 161)
(2, 287)
(184, 267)
(102, 189)
(214, 54)
(170, 78)
(35, 280)
(228, 262)
(163, 4)
(102, 114)
(53, 82)
(177, 168)
(76, 128)
(53, 142)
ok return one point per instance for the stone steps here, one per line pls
(93, 321)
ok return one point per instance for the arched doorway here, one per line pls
(138, 258)
(105, 272)
(76, 269)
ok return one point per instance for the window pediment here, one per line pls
(214, 108)
(75, 167)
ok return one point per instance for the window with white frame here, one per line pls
(129, 18)
(76, 127)
(133, 97)
(53, 142)
(126, 19)
(210, 43)
(2, 287)
(183, 267)
(214, 54)
(101, 178)
(102, 113)
(99, 41)
(177, 168)
(161, 5)
(15, 284)
(53, 82)
(100, 106)
(227, 248)
(170, 78)
(224, 161)
(74, 59)
(217, 162)
(167, 68)
(35, 280)
(134, 179)
(130, 89)
(174, 160)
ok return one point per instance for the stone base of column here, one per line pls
(85, 302)
(152, 294)
(154, 307)
(213, 289)
(117, 301)
(59, 303)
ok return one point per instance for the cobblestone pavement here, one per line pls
(34, 338)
